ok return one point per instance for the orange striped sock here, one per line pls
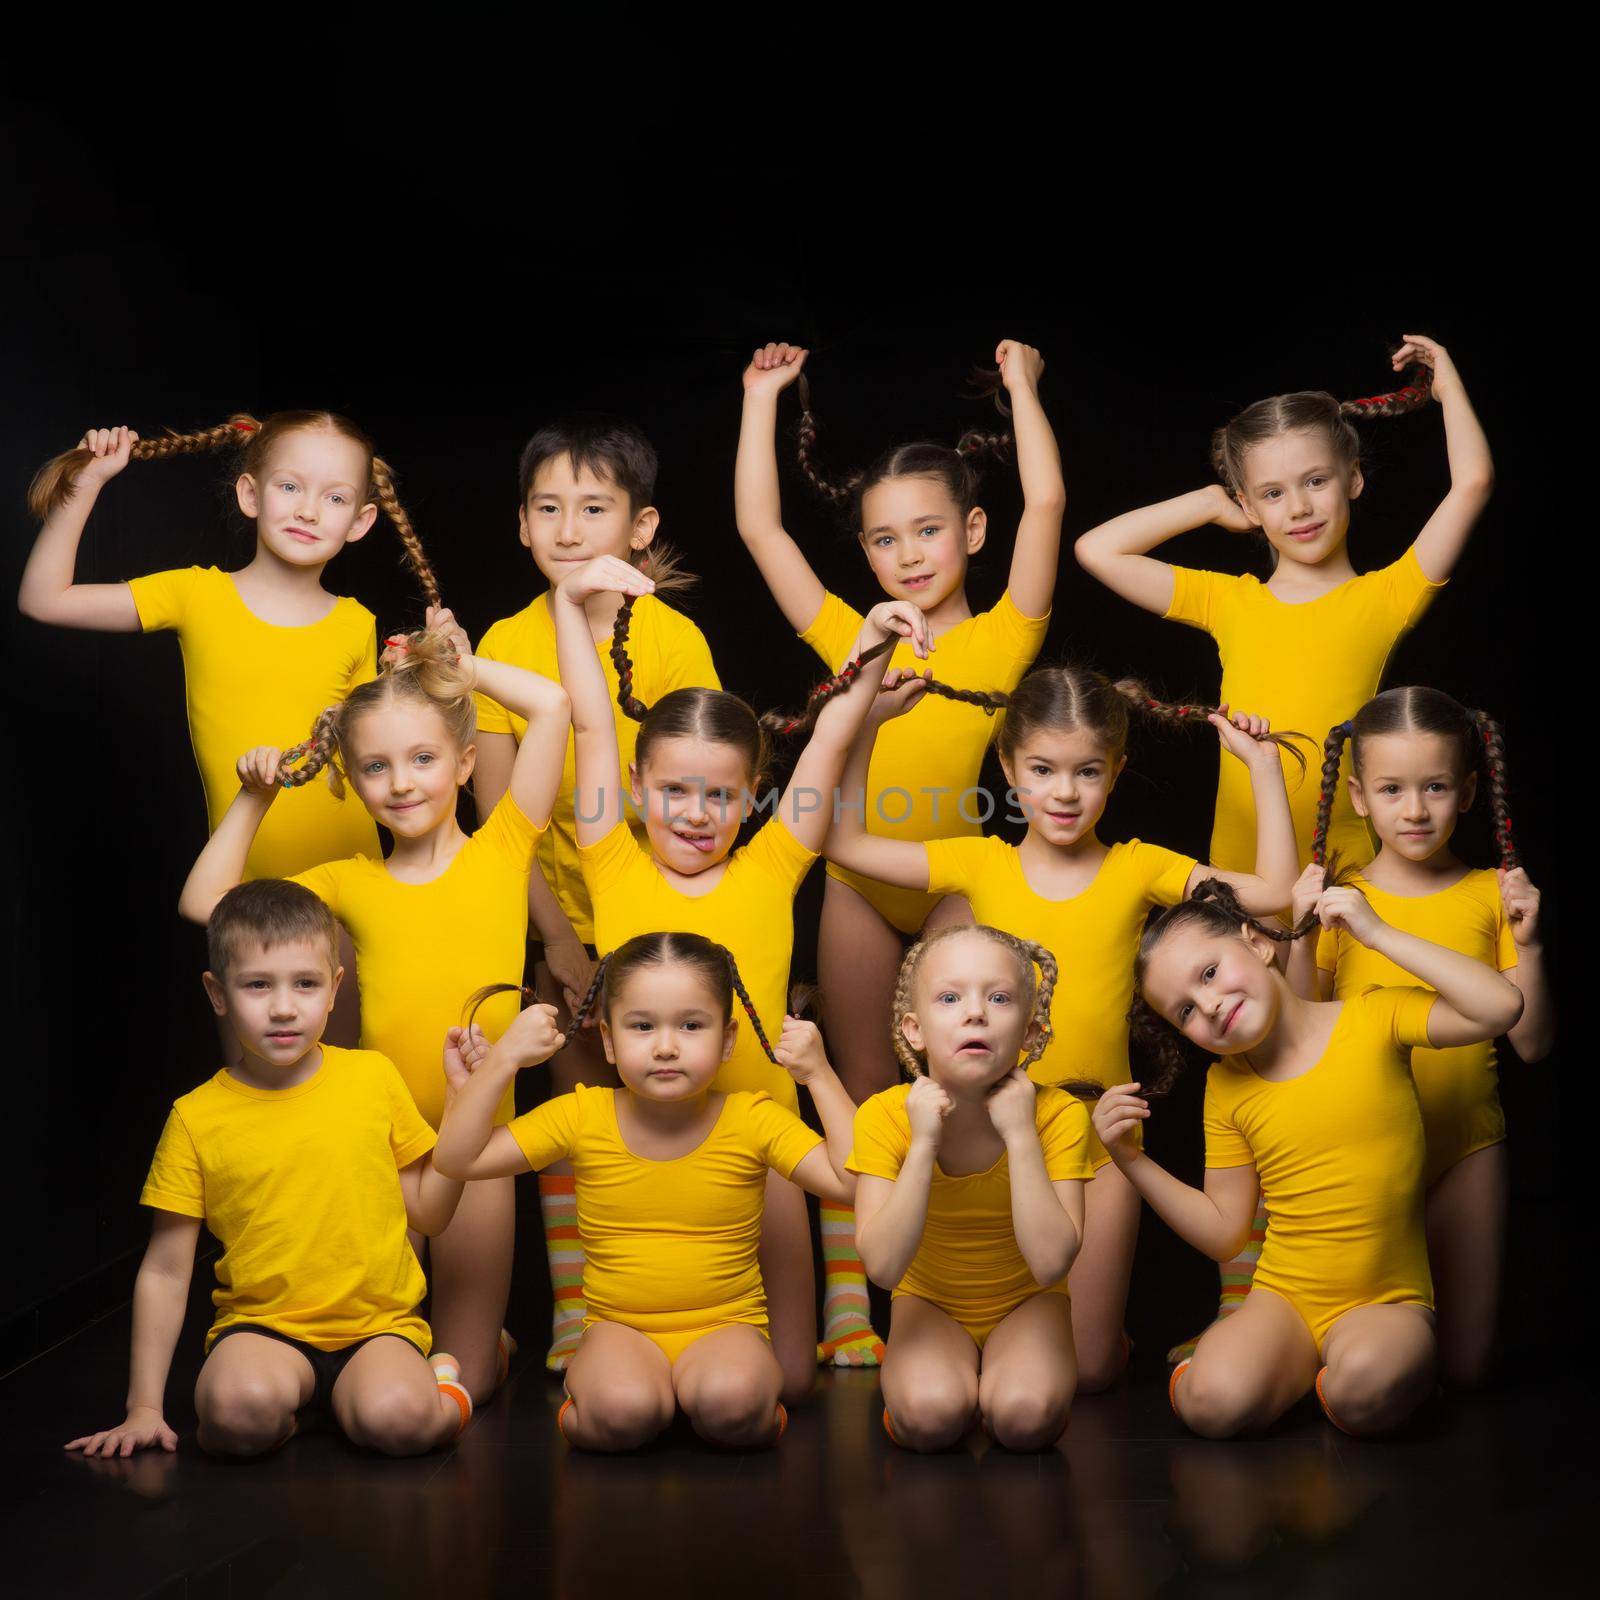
(447, 1374)
(848, 1337)
(1172, 1387)
(558, 1205)
(1327, 1410)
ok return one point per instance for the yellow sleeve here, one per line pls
(1226, 1145)
(1410, 590)
(1328, 950)
(1006, 642)
(548, 1133)
(779, 854)
(162, 598)
(409, 1136)
(833, 630)
(492, 716)
(324, 882)
(1408, 1011)
(175, 1181)
(687, 663)
(1197, 597)
(1164, 873)
(955, 865)
(1506, 954)
(607, 862)
(1064, 1135)
(881, 1138)
(510, 833)
(782, 1139)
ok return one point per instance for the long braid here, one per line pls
(300, 763)
(476, 1000)
(1494, 760)
(1139, 697)
(1412, 396)
(1332, 760)
(663, 566)
(586, 1005)
(837, 491)
(750, 1007)
(911, 1063)
(389, 502)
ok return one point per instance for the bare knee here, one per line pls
(1218, 1402)
(1028, 1418)
(934, 1414)
(733, 1408)
(243, 1417)
(1369, 1390)
(399, 1420)
(624, 1414)
(1100, 1367)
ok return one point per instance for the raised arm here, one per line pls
(1037, 552)
(1046, 1216)
(48, 592)
(470, 1146)
(1115, 552)
(1444, 535)
(801, 1054)
(1300, 959)
(891, 1216)
(220, 865)
(757, 506)
(1535, 1033)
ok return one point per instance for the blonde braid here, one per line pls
(389, 501)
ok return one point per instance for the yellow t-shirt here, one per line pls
(922, 781)
(1339, 1154)
(668, 652)
(423, 948)
(1458, 1088)
(1305, 667)
(250, 682)
(968, 1263)
(751, 912)
(669, 1246)
(301, 1188)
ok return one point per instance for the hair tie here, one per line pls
(1346, 728)
(397, 641)
(243, 427)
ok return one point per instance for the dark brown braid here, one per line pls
(1332, 760)
(1494, 760)
(1134, 691)
(750, 1008)
(478, 997)
(1412, 396)
(837, 491)
(586, 1005)
(663, 566)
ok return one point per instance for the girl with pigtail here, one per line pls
(1062, 748)
(432, 917)
(916, 514)
(696, 770)
(1311, 1107)
(672, 1176)
(1415, 759)
(969, 1198)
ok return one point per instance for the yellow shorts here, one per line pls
(978, 1322)
(905, 909)
(674, 1342)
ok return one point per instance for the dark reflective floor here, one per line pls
(1471, 1502)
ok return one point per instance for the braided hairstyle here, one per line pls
(1416, 709)
(54, 482)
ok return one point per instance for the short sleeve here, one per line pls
(175, 1181)
(833, 631)
(956, 865)
(1226, 1145)
(781, 1138)
(881, 1139)
(162, 598)
(324, 882)
(777, 852)
(510, 833)
(1196, 597)
(1008, 640)
(1064, 1135)
(1328, 950)
(1408, 1011)
(548, 1133)
(1409, 589)
(607, 862)
(687, 662)
(1164, 874)
(409, 1136)
(1506, 954)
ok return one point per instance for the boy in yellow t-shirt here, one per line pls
(307, 1163)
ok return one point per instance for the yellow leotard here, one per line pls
(669, 1246)
(1305, 667)
(424, 948)
(1339, 1152)
(968, 1263)
(667, 651)
(301, 1188)
(1094, 937)
(750, 911)
(922, 783)
(1458, 1088)
(250, 682)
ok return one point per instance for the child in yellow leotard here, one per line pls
(1311, 1105)
(969, 1198)
(916, 514)
(1414, 756)
(1062, 749)
(430, 919)
(699, 758)
(587, 487)
(671, 1178)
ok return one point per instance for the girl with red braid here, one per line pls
(916, 514)
(1416, 756)
(696, 770)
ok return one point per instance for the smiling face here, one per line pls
(916, 539)
(666, 1032)
(1412, 789)
(1062, 778)
(405, 765)
(693, 794)
(310, 500)
(573, 514)
(1297, 490)
(1216, 988)
(277, 998)
(972, 1010)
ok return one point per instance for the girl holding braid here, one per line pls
(696, 767)
(1415, 756)
(915, 512)
(1309, 646)
(1062, 748)
(432, 917)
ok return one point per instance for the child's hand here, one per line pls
(900, 618)
(1307, 891)
(926, 1108)
(1521, 900)
(1117, 1113)
(1417, 350)
(258, 770)
(143, 1427)
(604, 575)
(573, 968)
(800, 1050)
(774, 367)
(112, 449)
(533, 1037)
(1011, 1105)
(465, 1050)
(1021, 366)
(1241, 733)
(441, 619)
(1226, 512)
(1347, 908)
(901, 691)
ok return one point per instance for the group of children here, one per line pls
(981, 1153)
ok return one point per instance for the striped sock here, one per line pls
(1237, 1276)
(558, 1203)
(847, 1336)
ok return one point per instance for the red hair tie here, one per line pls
(244, 427)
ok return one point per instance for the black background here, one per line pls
(451, 313)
